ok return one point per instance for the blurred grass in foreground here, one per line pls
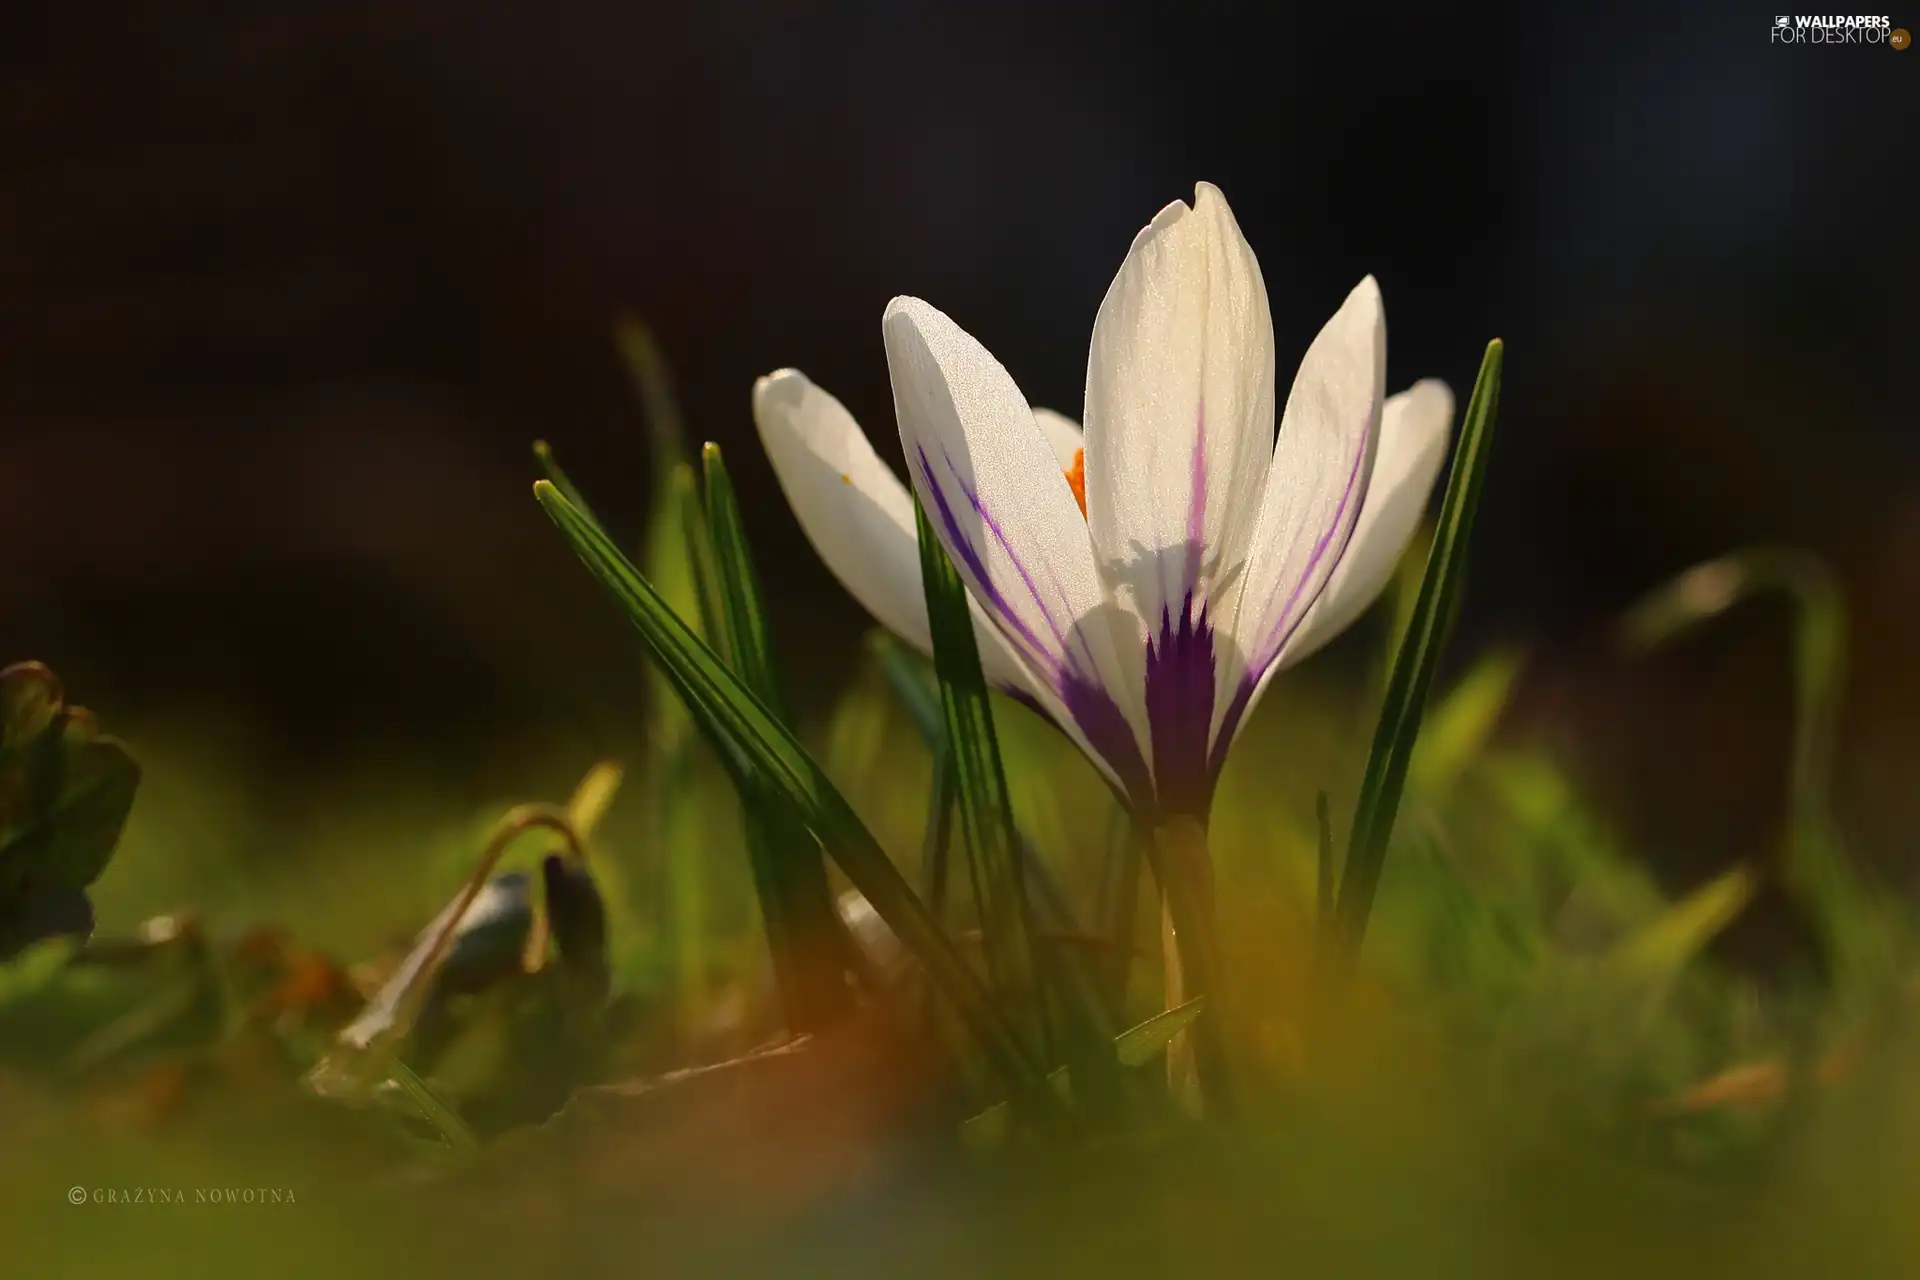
(1497, 1100)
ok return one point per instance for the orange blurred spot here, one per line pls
(1077, 480)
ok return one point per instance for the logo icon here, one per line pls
(1781, 20)
(1899, 38)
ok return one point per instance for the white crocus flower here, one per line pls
(1142, 583)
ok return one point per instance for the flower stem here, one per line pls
(1197, 1068)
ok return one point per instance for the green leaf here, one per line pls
(738, 586)
(1134, 1047)
(706, 684)
(802, 925)
(1457, 727)
(65, 789)
(1415, 662)
(1658, 949)
(986, 808)
(918, 697)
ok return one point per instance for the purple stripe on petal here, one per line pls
(1283, 628)
(1284, 625)
(1230, 723)
(1179, 697)
(987, 589)
(1109, 734)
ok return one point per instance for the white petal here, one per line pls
(857, 514)
(990, 484)
(1321, 466)
(1413, 443)
(1063, 434)
(1179, 412)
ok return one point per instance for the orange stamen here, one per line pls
(1077, 480)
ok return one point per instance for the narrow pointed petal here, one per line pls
(1322, 462)
(857, 514)
(1180, 394)
(1414, 427)
(992, 487)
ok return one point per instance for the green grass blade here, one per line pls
(439, 1113)
(985, 806)
(800, 911)
(1134, 1047)
(648, 369)
(1656, 950)
(706, 683)
(550, 467)
(1456, 728)
(1842, 904)
(937, 844)
(742, 606)
(1414, 664)
(702, 562)
(917, 695)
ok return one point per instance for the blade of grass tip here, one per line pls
(1656, 950)
(756, 734)
(1323, 880)
(1414, 665)
(986, 807)
(815, 938)
(550, 467)
(678, 817)
(663, 550)
(709, 593)
(647, 367)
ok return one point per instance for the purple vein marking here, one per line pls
(1110, 736)
(1281, 632)
(1273, 642)
(976, 567)
(1179, 698)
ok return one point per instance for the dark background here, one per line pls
(286, 290)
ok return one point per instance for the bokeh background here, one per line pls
(286, 291)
